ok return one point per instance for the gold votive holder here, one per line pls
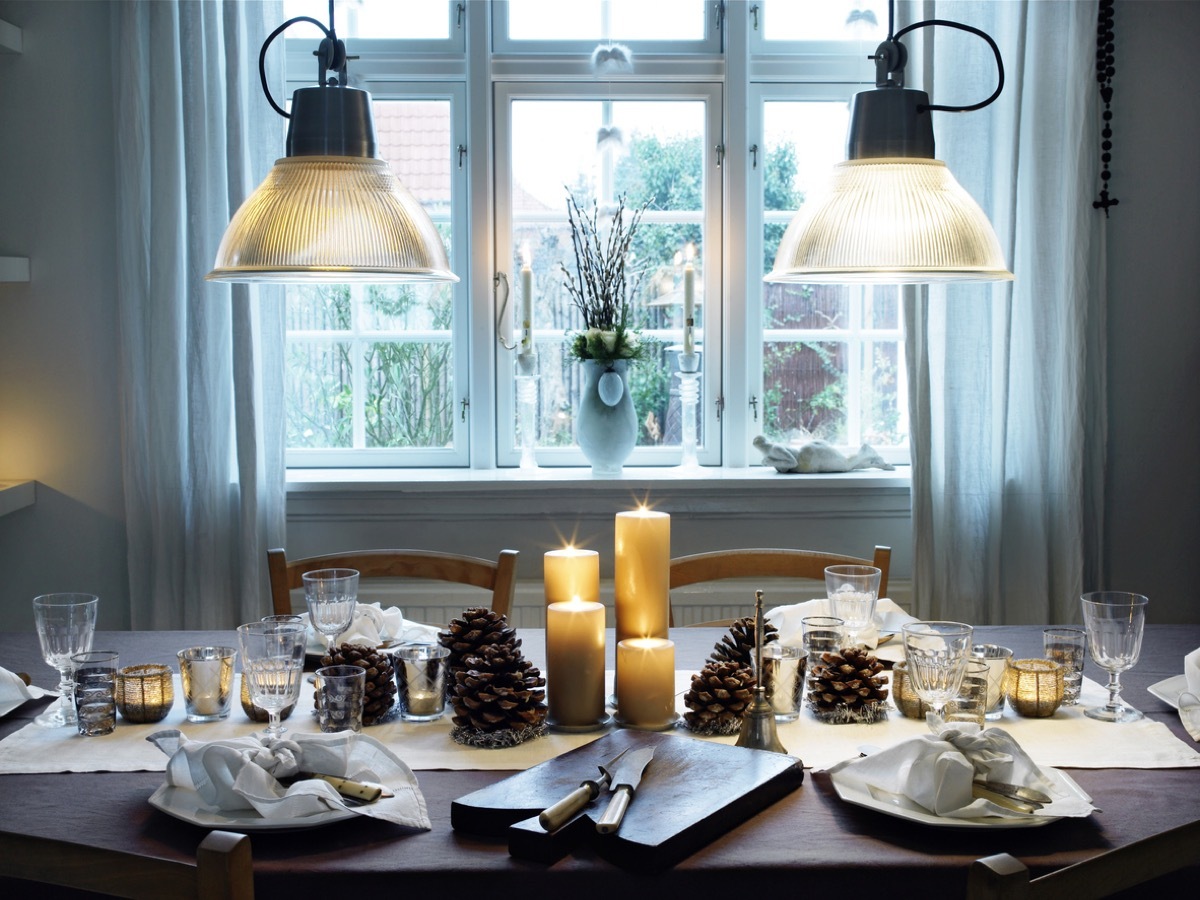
(254, 712)
(1034, 687)
(905, 695)
(145, 693)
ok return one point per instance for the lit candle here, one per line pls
(689, 302)
(526, 301)
(641, 573)
(571, 572)
(646, 682)
(206, 686)
(575, 663)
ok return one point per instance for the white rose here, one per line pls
(632, 340)
(610, 340)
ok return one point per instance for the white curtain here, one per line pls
(201, 364)
(1007, 381)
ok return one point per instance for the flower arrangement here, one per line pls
(600, 286)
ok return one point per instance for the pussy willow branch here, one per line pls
(598, 288)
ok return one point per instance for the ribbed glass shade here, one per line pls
(890, 221)
(331, 219)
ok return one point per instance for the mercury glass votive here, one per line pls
(145, 693)
(1034, 687)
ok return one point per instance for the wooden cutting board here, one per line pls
(692, 792)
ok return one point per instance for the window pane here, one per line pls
(619, 20)
(659, 163)
(403, 19)
(828, 20)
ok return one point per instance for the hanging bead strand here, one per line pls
(1104, 75)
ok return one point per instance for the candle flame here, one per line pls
(678, 258)
(526, 256)
(690, 251)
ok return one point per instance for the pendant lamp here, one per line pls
(892, 213)
(330, 211)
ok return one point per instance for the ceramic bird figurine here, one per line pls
(817, 456)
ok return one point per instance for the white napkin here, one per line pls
(936, 771)
(241, 774)
(888, 618)
(1189, 700)
(372, 626)
(14, 691)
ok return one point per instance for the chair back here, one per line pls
(222, 871)
(769, 563)
(498, 577)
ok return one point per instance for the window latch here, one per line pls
(466, 404)
(719, 15)
(720, 148)
(720, 407)
(754, 15)
(754, 156)
(462, 154)
(754, 406)
(462, 11)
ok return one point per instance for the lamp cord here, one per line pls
(330, 55)
(983, 34)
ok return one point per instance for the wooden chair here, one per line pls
(768, 563)
(1002, 877)
(222, 870)
(499, 577)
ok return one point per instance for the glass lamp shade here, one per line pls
(890, 221)
(331, 219)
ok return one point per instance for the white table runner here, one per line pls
(1068, 739)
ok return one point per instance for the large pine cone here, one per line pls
(499, 698)
(380, 695)
(846, 687)
(738, 645)
(720, 694)
(479, 627)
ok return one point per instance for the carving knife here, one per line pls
(555, 817)
(624, 781)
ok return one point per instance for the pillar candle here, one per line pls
(689, 302)
(641, 574)
(575, 663)
(526, 301)
(646, 682)
(571, 572)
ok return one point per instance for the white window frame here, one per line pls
(710, 44)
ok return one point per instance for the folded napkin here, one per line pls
(14, 691)
(244, 773)
(1189, 700)
(936, 771)
(889, 618)
(372, 626)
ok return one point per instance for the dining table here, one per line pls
(808, 842)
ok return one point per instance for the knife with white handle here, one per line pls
(558, 815)
(625, 780)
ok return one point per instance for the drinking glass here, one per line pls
(1114, 622)
(1067, 647)
(332, 595)
(853, 592)
(273, 664)
(937, 654)
(65, 625)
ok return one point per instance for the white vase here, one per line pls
(606, 425)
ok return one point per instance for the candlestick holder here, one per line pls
(758, 723)
(527, 392)
(689, 400)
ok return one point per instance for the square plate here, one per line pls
(1169, 689)
(187, 806)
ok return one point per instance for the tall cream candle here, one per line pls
(575, 663)
(646, 682)
(641, 572)
(689, 302)
(571, 572)
(526, 301)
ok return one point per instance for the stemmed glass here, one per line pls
(937, 654)
(273, 666)
(853, 592)
(1114, 622)
(332, 595)
(65, 625)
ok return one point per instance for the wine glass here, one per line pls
(853, 592)
(1114, 622)
(273, 666)
(332, 595)
(65, 625)
(937, 654)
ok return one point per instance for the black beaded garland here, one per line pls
(1104, 74)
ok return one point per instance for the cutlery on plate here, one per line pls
(1016, 792)
(360, 791)
(984, 792)
(624, 781)
(555, 817)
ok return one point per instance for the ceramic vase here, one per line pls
(606, 425)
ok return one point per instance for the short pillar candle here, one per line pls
(646, 682)
(571, 573)
(575, 664)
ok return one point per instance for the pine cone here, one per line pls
(721, 692)
(738, 645)
(846, 687)
(380, 694)
(499, 697)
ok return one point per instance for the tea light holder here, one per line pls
(145, 693)
(904, 694)
(1034, 687)
(256, 713)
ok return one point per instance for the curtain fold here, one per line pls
(201, 364)
(1006, 382)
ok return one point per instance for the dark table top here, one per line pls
(809, 841)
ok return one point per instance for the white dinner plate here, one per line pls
(1169, 689)
(852, 790)
(187, 806)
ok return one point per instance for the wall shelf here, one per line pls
(10, 38)
(14, 268)
(16, 495)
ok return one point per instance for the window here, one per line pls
(404, 376)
